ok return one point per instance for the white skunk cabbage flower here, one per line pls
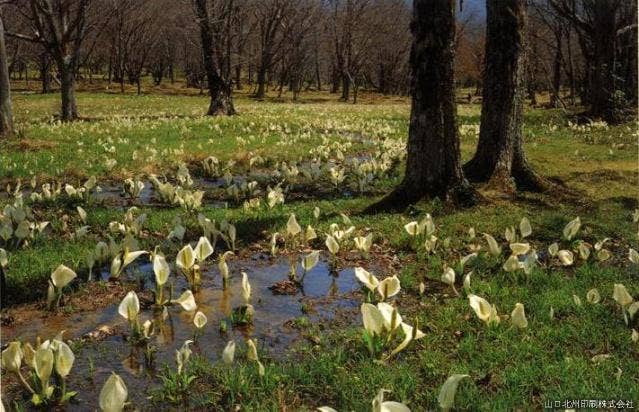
(131, 256)
(484, 311)
(373, 319)
(410, 334)
(203, 249)
(493, 247)
(621, 295)
(160, 269)
(633, 256)
(199, 320)
(64, 359)
(310, 233)
(553, 249)
(62, 276)
(412, 228)
(447, 393)
(246, 289)
(363, 243)
(368, 279)
(518, 316)
(448, 277)
(524, 227)
(467, 258)
(185, 258)
(292, 227)
(130, 306)
(584, 251)
(593, 296)
(316, 212)
(228, 354)
(379, 405)
(388, 287)
(310, 261)
(566, 257)
(519, 248)
(4, 260)
(252, 355)
(512, 264)
(467, 281)
(12, 357)
(182, 356)
(187, 301)
(391, 316)
(82, 213)
(571, 229)
(44, 364)
(113, 394)
(332, 245)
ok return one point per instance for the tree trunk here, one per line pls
(45, 77)
(67, 88)
(219, 90)
(433, 162)
(346, 87)
(6, 113)
(261, 81)
(238, 76)
(500, 156)
(602, 69)
(556, 70)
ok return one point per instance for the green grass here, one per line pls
(509, 369)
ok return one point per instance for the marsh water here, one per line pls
(100, 336)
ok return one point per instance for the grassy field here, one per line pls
(581, 350)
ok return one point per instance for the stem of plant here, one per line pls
(24, 382)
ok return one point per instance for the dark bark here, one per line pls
(219, 89)
(500, 157)
(261, 81)
(346, 87)
(433, 163)
(556, 69)
(45, 76)
(599, 25)
(69, 108)
(6, 113)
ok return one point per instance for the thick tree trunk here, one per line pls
(346, 87)
(69, 109)
(603, 67)
(45, 77)
(556, 71)
(433, 162)
(219, 90)
(261, 80)
(500, 156)
(238, 76)
(6, 113)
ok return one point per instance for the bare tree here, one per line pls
(219, 88)
(6, 114)
(601, 26)
(269, 16)
(60, 26)
(500, 155)
(433, 164)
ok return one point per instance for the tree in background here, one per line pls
(500, 155)
(61, 27)
(433, 163)
(607, 31)
(6, 113)
(219, 88)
